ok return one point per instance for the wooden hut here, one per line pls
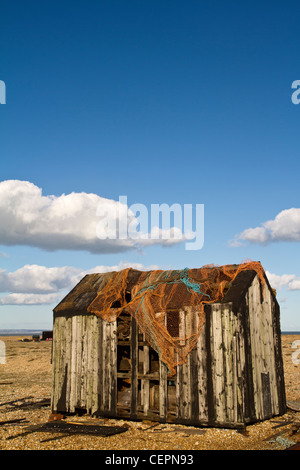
(232, 376)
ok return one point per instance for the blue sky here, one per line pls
(161, 101)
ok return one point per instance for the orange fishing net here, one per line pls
(169, 305)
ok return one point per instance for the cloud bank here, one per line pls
(67, 222)
(36, 285)
(28, 299)
(284, 228)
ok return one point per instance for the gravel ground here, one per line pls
(27, 373)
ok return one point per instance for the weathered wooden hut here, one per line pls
(230, 375)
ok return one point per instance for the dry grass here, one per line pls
(27, 373)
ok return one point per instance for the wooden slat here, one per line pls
(57, 361)
(73, 368)
(106, 367)
(217, 362)
(95, 363)
(100, 368)
(255, 332)
(270, 350)
(60, 399)
(145, 385)
(163, 391)
(202, 376)
(91, 360)
(113, 368)
(228, 372)
(67, 352)
(134, 369)
(194, 386)
(183, 372)
(84, 369)
(240, 348)
(89, 363)
(79, 352)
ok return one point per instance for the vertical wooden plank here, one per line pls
(95, 363)
(58, 371)
(260, 330)
(202, 376)
(227, 334)
(234, 363)
(183, 374)
(73, 371)
(163, 391)
(84, 370)
(253, 335)
(54, 364)
(267, 401)
(108, 364)
(145, 384)
(68, 333)
(194, 407)
(89, 362)
(100, 368)
(280, 385)
(197, 371)
(106, 367)
(134, 369)
(217, 362)
(256, 345)
(79, 321)
(240, 372)
(235, 382)
(209, 367)
(178, 392)
(270, 350)
(63, 368)
(245, 333)
(182, 327)
(113, 368)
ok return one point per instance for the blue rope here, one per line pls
(195, 286)
(183, 276)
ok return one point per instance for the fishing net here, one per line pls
(168, 305)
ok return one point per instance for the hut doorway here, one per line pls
(142, 386)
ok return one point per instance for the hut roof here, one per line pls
(82, 296)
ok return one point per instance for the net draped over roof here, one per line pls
(169, 305)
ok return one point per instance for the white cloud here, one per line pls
(28, 299)
(295, 284)
(34, 284)
(285, 227)
(69, 221)
(290, 281)
(37, 279)
(279, 281)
